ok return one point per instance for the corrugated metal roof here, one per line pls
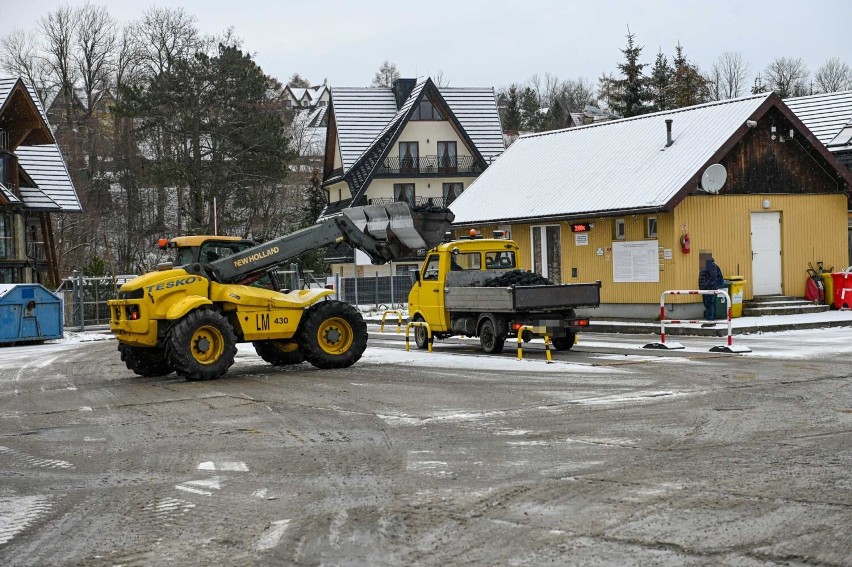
(824, 114)
(364, 115)
(45, 165)
(9, 195)
(614, 165)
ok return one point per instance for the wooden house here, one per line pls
(34, 182)
(636, 202)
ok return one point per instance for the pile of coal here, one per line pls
(517, 277)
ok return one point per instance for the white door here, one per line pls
(766, 253)
(547, 252)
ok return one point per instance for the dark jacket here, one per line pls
(710, 277)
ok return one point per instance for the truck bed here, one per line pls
(521, 298)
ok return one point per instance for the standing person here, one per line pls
(710, 278)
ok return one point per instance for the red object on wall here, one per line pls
(842, 289)
(685, 244)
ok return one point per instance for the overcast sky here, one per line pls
(494, 43)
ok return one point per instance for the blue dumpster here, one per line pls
(29, 313)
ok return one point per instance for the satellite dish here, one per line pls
(713, 178)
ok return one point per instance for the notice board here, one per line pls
(637, 261)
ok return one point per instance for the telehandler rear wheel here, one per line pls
(147, 362)
(279, 353)
(202, 345)
(332, 334)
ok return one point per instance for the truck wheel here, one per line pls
(332, 334)
(202, 345)
(279, 353)
(491, 342)
(421, 337)
(564, 343)
(147, 362)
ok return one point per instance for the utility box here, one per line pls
(29, 313)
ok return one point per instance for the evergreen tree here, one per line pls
(556, 117)
(530, 107)
(298, 81)
(660, 83)
(512, 111)
(314, 201)
(631, 91)
(689, 85)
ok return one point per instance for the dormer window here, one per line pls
(427, 111)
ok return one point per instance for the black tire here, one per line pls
(564, 343)
(421, 337)
(149, 362)
(202, 345)
(491, 342)
(332, 334)
(279, 353)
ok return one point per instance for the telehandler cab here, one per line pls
(188, 319)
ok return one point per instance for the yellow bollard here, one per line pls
(428, 334)
(520, 341)
(399, 320)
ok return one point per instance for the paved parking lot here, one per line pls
(611, 455)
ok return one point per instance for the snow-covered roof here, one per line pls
(363, 115)
(827, 115)
(45, 165)
(616, 165)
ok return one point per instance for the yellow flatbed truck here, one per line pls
(455, 293)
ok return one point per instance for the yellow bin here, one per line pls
(828, 284)
(737, 286)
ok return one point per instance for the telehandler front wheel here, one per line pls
(202, 345)
(332, 334)
(279, 353)
(147, 362)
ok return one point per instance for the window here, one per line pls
(651, 227)
(408, 154)
(403, 192)
(618, 232)
(499, 260)
(447, 157)
(430, 270)
(466, 261)
(7, 239)
(452, 191)
(426, 110)
(404, 269)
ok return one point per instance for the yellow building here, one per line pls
(638, 203)
(413, 142)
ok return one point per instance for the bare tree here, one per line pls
(440, 80)
(164, 34)
(787, 76)
(20, 57)
(834, 75)
(727, 78)
(388, 73)
(58, 28)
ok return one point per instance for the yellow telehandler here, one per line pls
(188, 319)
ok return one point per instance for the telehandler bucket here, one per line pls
(401, 230)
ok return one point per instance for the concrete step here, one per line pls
(773, 298)
(804, 307)
(780, 303)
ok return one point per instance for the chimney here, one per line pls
(669, 140)
(402, 89)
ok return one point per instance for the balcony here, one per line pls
(418, 201)
(428, 166)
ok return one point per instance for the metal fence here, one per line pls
(378, 291)
(85, 299)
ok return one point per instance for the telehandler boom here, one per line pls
(188, 319)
